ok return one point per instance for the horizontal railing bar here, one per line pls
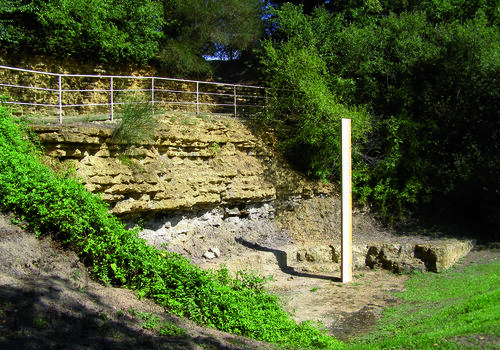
(124, 103)
(252, 96)
(93, 90)
(28, 87)
(125, 77)
(259, 106)
(103, 90)
(30, 104)
(176, 91)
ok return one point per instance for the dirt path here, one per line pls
(346, 310)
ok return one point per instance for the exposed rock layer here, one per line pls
(191, 163)
(209, 187)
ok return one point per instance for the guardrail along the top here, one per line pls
(99, 97)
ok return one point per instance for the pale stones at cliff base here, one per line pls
(212, 253)
(170, 228)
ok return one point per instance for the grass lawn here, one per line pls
(458, 309)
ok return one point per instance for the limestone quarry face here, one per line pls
(214, 189)
(192, 162)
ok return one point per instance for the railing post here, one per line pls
(197, 98)
(111, 99)
(235, 101)
(267, 100)
(60, 97)
(152, 96)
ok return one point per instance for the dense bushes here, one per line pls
(60, 205)
(427, 76)
(304, 108)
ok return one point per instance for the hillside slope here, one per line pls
(48, 301)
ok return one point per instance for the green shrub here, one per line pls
(421, 87)
(137, 123)
(306, 107)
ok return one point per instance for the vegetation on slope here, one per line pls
(458, 309)
(58, 204)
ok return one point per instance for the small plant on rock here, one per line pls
(137, 123)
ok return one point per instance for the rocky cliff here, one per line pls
(214, 188)
(191, 163)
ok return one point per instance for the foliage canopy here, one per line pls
(426, 74)
(174, 33)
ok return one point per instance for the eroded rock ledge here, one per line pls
(191, 163)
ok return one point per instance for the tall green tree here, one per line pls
(195, 29)
(104, 30)
(435, 91)
(431, 84)
(306, 108)
(177, 34)
(356, 11)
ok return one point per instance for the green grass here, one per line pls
(458, 309)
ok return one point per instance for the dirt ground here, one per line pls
(48, 301)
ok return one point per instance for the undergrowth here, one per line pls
(136, 124)
(458, 309)
(59, 205)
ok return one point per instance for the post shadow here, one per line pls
(281, 258)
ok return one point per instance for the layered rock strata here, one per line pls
(211, 188)
(191, 163)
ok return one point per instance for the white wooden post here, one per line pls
(346, 264)
(111, 98)
(60, 98)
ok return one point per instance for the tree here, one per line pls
(177, 34)
(104, 30)
(356, 11)
(306, 109)
(195, 28)
(432, 89)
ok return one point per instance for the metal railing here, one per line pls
(65, 94)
